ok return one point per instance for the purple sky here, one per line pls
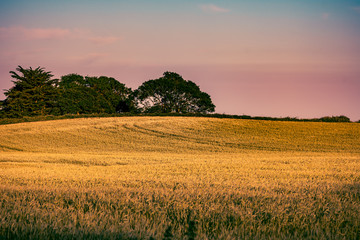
(261, 58)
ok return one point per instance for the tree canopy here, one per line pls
(37, 93)
(34, 93)
(171, 93)
(80, 94)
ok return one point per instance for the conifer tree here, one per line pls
(34, 93)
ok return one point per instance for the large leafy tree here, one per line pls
(113, 96)
(171, 93)
(34, 93)
(92, 95)
(75, 96)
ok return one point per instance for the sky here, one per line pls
(275, 58)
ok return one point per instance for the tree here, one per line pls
(93, 95)
(112, 95)
(75, 96)
(34, 93)
(341, 118)
(171, 93)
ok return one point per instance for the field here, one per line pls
(179, 178)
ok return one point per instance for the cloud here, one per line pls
(213, 8)
(34, 33)
(104, 40)
(357, 9)
(23, 33)
(50, 33)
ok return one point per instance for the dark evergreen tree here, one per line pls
(34, 93)
(2, 112)
(171, 93)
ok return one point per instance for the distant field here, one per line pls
(179, 178)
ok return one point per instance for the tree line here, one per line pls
(37, 93)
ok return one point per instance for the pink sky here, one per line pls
(256, 58)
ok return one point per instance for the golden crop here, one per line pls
(179, 177)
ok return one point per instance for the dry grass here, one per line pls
(173, 177)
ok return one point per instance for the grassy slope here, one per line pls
(142, 177)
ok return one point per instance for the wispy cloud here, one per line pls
(23, 33)
(104, 40)
(213, 8)
(34, 33)
(357, 9)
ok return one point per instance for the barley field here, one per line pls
(179, 178)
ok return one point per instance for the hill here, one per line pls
(178, 134)
(150, 177)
